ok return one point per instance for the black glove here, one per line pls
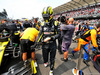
(52, 38)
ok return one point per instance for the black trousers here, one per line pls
(46, 49)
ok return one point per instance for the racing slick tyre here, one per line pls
(96, 59)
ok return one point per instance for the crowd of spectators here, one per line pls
(88, 11)
(91, 22)
(83, 12)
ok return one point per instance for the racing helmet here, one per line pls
(47, 13)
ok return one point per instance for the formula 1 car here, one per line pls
(7, 51)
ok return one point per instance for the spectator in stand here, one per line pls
(88, 11)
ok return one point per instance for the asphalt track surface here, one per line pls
(61, 67)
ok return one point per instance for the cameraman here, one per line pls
(66, 33)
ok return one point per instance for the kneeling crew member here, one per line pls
(86, 37)
(27, 40)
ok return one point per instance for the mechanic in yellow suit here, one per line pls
(28, 38)
(89, 35)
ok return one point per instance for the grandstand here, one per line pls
(79, 9)
(3, 14)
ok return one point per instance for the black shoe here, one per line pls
(74, 40)
(65, 60)
(85, 61)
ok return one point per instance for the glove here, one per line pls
(52, 38)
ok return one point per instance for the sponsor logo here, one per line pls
(48, 32)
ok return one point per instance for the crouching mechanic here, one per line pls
(27, 40)
(49, 32)
(85, 38)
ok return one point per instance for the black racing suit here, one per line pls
(49, 30)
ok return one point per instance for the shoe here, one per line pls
(74, 40)
(51, 72)
(45, 64)
(25, 62)
(35, 63)
(85, 61)
(65, 60)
